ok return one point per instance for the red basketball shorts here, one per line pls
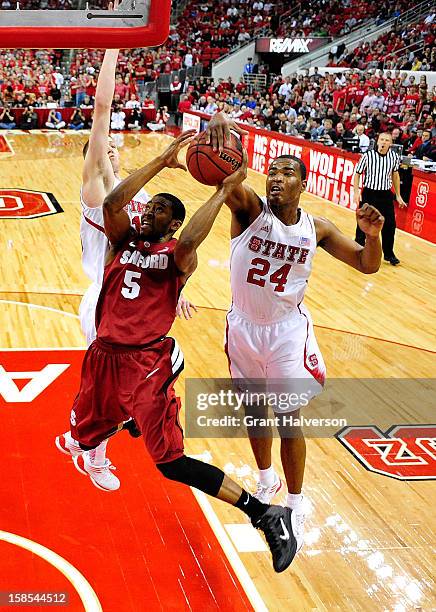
(118, 383)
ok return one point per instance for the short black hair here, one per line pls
(303, 170)
(177, 206)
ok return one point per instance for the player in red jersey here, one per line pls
(130, 369)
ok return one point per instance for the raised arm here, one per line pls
(199, 226)
(365, 259)
(242, 200)
(116, 220)
(98, 174)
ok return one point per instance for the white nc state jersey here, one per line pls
(95, 244)
(270, 264)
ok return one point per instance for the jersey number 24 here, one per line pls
(261, 269)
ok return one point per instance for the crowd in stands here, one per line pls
(329, 109)
(228, 23)
(410, 47)
(207, 30)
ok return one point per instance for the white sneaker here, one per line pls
(100, 475)
(67, 445)
(298, 518)
(265, 494)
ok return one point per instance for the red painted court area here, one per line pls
(147, 546)
(4, 145)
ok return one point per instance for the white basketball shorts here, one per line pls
(285, 355)
(87, 312)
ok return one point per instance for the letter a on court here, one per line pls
(38, 382)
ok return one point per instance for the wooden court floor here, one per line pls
(370, 538)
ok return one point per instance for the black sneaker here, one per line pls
(394, 261)
(277, 527)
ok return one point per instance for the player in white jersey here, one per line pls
(269, 332)
(99, 177)
(95, 247)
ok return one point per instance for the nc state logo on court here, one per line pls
(27, 204)
(403, 452)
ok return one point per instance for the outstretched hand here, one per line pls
(369, 220)
(232, 181)
(170, 155)
(185, 308)
(218, 131)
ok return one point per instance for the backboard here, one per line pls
(135, 23)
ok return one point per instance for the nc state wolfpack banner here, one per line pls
(329, 172)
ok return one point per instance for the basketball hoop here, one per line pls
(138, 23)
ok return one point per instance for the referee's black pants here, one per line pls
(383, 201)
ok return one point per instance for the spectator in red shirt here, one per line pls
(176, 62)
(339, 97)
(183, 107)
(241, 87)
(139, 72)
(411, 99)
(121, 88)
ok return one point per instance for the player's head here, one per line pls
(384, 142)
(112, 151)
(286, 180)
(163, 215)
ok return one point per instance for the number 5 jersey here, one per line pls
(138, 299)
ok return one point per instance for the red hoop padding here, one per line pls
(155, 33)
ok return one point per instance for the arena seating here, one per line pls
(403, 48)
(391, 101)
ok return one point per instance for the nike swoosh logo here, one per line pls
(285, 535)
(132, 244)
(248, 499)
(164, 250)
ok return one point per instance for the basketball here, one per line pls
(211, 167)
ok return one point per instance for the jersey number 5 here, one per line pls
(262, 267)
(132, 288)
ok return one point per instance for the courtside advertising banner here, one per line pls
(329, 172)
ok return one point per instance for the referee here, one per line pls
(380, 167)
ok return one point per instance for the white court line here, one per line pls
(230, 552)
(84, 589)
(38, 307)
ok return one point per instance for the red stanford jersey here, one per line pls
(138, 299)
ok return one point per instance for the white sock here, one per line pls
(267, 477)
(97, 455)
(69, 438)
(294, 501)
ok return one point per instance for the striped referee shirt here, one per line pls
(378, 169)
